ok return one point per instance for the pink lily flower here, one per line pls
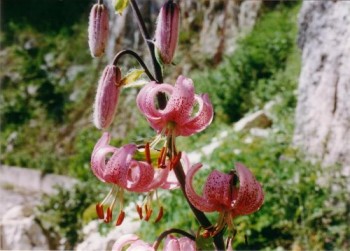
(122, 170)
(167, 31)
(221, 194)
(171, 244)
(177, 118)
(98, 29)
(107, 96)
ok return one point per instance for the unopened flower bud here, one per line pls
(98, 29)
(167, 31)
(107, 95)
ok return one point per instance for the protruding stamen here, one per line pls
(99, 211)
(120, 218)
(148, 153)
(108, 217)
(160, 215)
(148, 213)
(175, 160)
(139, 211)
(162, 157)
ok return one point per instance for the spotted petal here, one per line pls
(146, 102)
(201, 120)
(118, 166)
(217, 189)
(140, 176)
(250, 195)
(197, 201)
(180, 104)
(98, 156)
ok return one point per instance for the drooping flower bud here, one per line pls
(167, 31)
(98, 29)
(107, 95)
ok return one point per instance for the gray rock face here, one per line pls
(323, 110)
(207, 28)
(20, 231)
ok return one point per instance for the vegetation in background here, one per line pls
(305, 207)
(63, 212)
(242, 82)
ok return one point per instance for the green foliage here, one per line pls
(63, 212)
(46, 16)
(176, 215)
(304, 205)
(243, 81)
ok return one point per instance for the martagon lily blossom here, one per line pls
(125, 172)
(179, 117)
(222, 194)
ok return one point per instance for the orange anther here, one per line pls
(175, 160)
(99, 211)
(160, 215)
(148, 213)
(139, 211)
(148, 154)
(120, 218)
(161, 159)
(108, 217)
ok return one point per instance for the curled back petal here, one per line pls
(140, 176)
(160, 179)
(98, 161)
(201, 120)
(197, 201)
(180, 104)
(123, 241)
(103, 141)
(146, 102)
(98, 157)
(250, 195)
(117, 168)
(217, 190)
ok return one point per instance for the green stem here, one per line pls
(202, 219)
(147, 38)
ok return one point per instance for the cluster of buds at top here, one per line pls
(167, 32)
(98, 29)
